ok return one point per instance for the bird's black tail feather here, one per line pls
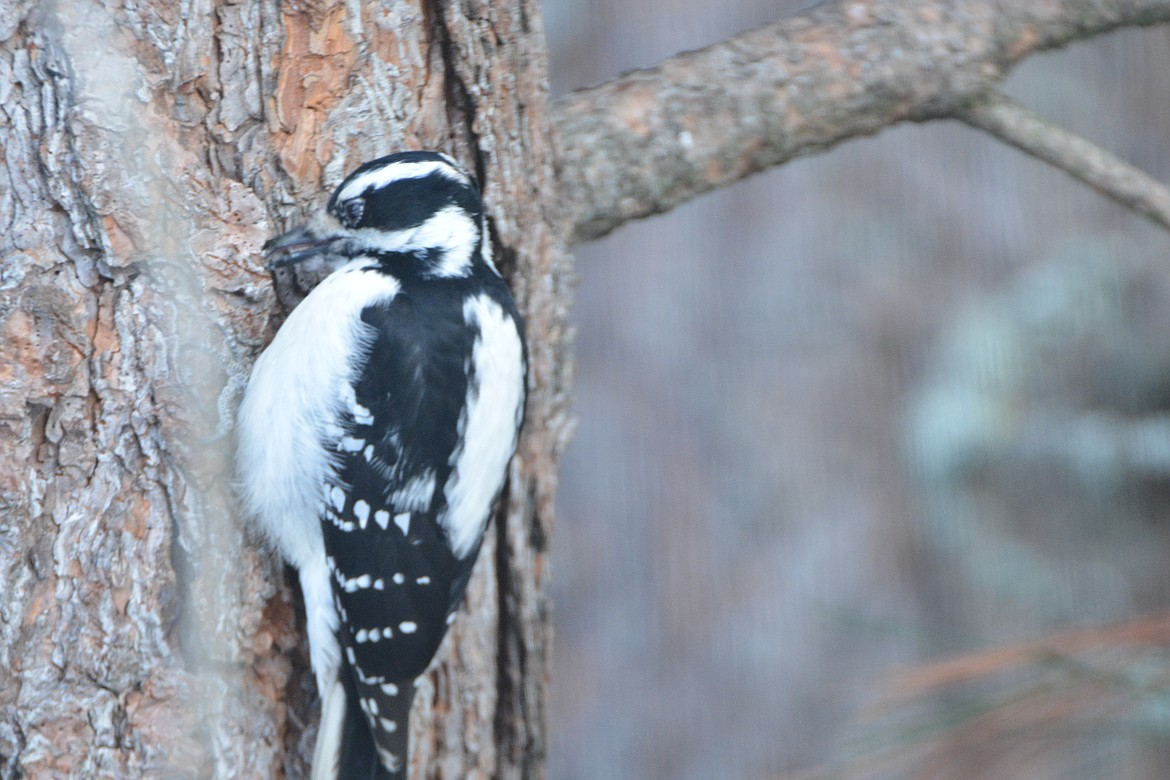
(375, 733)
(357, 756)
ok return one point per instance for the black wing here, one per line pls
(395, 579)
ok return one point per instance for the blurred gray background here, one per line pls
(901, 402)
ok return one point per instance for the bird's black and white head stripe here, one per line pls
(419, 205)
(375, 434)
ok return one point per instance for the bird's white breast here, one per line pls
(293, 402)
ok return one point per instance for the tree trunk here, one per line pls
(147, 151)
(148, 148)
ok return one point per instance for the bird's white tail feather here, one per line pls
(328, 748)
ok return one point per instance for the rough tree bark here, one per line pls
(147, 150)
(652, 139)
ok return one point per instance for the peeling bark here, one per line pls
(148, 150)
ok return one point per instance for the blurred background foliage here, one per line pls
(903, 402)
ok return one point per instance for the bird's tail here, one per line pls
(364, 730)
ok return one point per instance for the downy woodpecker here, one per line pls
(374, 437)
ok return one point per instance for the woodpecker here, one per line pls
(375, 434)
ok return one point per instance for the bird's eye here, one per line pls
(351, 212)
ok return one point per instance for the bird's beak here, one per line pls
(295, 246)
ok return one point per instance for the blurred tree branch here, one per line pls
(655, 138)
(1014, 124)
(1150, 630)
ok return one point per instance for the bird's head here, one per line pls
(416, 207)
